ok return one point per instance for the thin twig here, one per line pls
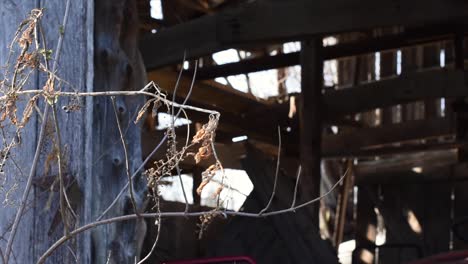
(32, 172)
(276, 174)
(133, 176)
(60, 39)
(60, 175)
(173, 134)
(127, 167)
(298, 176)
(79, 230)
(218, 162)
(24, 198)
(187, 139)
(73, 254)
(176, 87)
(182, 187)
(2, 256)
(109, 257)
(115, 93)
(148, 158)
(157, 234)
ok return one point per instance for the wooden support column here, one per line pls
(387, 69)
(408, 65)
(197, 179)
(118, 67)
(431, 59)
(449, 50)
(459, 50)
(460, 107)
(310, 122)
(460, 216)
(459, 213)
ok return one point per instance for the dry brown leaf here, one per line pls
(49, 85)
(11, 111)
(211, 168)
(26, 38)
(28, 110)
(201, 186)
(142, 111)
(4, 114)
(203, 153)
(199, 136)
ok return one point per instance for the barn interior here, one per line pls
(373, 90)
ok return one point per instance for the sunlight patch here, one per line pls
(237, 188)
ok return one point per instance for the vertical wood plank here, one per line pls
(311, 123)
(73, 67)
(460, 215)
(431, 60)
(387, 69)
(118, 66)
(11, 16)
(36, 229)
(89, 152)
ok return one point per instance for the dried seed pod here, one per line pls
(203, 153)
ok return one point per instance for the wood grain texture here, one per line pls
(24, 250)
(258, 22)
(94, 57)
(118, 66)
(39, 227)
(310, 124)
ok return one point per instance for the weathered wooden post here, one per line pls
(310, 117)
(99, 53)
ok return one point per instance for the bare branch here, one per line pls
(32, 172)
(298, 176)
(127, 167)
(157, 96)
(276, 174)
(60, 175)
(60, 39)
(24, 198)
(2, 257)
(176, 87)
(84, 228)
(157, 234)
(133, 176)
(182, 187)
(173, 134)
(116, 93)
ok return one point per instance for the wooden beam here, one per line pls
(239, 111)
(359, 143)
(207, 93)
(411, 38)
(257, 22)
(407, 162)
(434, 165)
(242, 115)
(431, 84)
(310, 124)
(391, 150)
(445, 171)
(378, 136)
(337, 103)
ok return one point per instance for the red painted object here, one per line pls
(216, 260)
(453, 257)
